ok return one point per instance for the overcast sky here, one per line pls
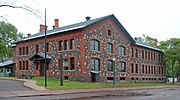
(157, 18)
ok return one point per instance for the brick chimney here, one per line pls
(42, 28)
(88, 18)
(28, 35)
(155, 43)
(56, 23)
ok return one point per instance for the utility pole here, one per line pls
(45, 62)
(61, 72)
(115, 70)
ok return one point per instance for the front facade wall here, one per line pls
(83, 56)
(53, 52)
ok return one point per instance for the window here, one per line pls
(122, 67)
(132, 68)
(148, 55)
(47, 47)
(132, 52)
(60, 45)
(159, 70)
(154, 56)
(37, 65)
(142, 54)
(65, 64)
(136, 68)
(109, 33)
(146, 69)
(72, 63)
(66, 45)
(72, 44)
(23, 65)
(20, 51)
(95, 45)
(27, 50)
(37, 48)
(95, 64)
(142, 68)
(109, 48)
(20, 65)
(152, 69)
(136, 53)
(121, 50)
(27, 65)
(110, 65)
(149, 70)
(159, 57)
(23, 50)
(151, 56)
(145, 54)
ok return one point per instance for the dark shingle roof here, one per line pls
(139, 43)
(84, 24)
(65, 28)
(6, 63)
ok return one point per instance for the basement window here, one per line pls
(66, 77)
(110, 78)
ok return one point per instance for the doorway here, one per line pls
(42, 70)
(94, 77)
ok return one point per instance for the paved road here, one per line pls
(12, 85)
(147, 94)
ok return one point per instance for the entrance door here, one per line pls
(41, 70)
(94, 77)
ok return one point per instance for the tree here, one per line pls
(8, 34)
(171, 50)
(146, 39)
(12, 4)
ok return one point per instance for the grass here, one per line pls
(53, 84)
(7, 77)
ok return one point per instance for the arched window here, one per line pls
(122, 66)
(122, 50)
(109, 48)
(95, 45)
(110, 65)
(95, 64)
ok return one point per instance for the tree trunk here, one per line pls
(173, 70)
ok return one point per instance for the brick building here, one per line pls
(91, 50)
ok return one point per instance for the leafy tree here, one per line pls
(146, 39)
(8, 34)
(171, 50)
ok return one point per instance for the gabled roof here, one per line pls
(78, 26)
(142, 44)
(85, 24)
(6, 63)
(39, 57)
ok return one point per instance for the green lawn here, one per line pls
(53, 84)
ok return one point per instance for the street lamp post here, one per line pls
(61, 72)
(114, 79)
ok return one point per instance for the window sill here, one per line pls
(96, 51)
